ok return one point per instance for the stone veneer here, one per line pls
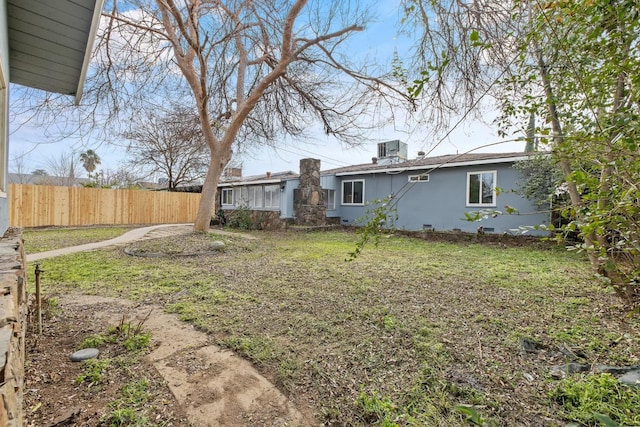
(308, 198)
(13, 313)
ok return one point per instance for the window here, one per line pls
(272, 196)
(329, 199)
(419, 178)
(481, 188)
(353, 192)
(255, 196)
(227, 197)
(242, 196)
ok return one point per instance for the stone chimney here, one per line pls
(308, 198)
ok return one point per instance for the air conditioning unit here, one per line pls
(395, 149)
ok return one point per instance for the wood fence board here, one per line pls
(46, 205)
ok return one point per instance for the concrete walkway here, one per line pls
(150, 232)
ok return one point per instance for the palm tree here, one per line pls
(90, 160)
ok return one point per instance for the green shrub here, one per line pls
(241, 219)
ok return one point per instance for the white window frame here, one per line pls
(419, 178)
(225, 196)
(272, 196)
(352, 181)
(331, 200)
(480, 202)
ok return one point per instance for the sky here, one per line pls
(380, 40)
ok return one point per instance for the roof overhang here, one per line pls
(255, 182)
(423, 167)
(50, 43)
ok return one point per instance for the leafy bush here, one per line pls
(241, 219)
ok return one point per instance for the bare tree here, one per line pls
(62, 170)
(253, 70)
(171, 145)
(465, 53)
(19, 168)
(123, 177)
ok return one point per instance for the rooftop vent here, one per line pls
(395, 150)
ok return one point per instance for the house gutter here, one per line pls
(243, 183)
(435, 166)
(95, 23)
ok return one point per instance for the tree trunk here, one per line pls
(565, 165)
(208, 197)
(595, 243)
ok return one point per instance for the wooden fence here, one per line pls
(46, 205)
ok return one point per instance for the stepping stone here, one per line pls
(84, 354)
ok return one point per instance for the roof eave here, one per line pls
(435, 166)
(95, 23)
(256, 182)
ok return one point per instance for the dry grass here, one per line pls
(401, 335)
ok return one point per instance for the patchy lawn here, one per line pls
(404, 334)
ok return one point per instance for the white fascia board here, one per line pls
(246, 183)
(432, 167)
(95, 23)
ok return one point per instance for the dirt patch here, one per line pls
(190, 381)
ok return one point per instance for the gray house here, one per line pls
(44, 45)
(429, 193)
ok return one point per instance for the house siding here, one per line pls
(286, 199)
(331, 182)
(440, 203)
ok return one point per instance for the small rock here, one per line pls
(561, 371)
(84, 354)
(615, 370)
(216, 245)
(631, 378)
(529, 345)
